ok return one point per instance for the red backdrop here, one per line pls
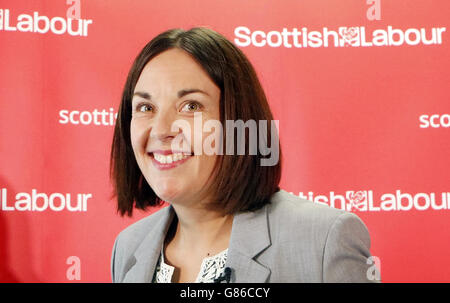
(364, 118)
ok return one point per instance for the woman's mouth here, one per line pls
(168, 160)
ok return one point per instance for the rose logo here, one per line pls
(350, 35)
(357, 199)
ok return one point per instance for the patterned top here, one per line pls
(212, 268)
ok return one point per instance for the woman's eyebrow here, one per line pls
(180, 93)
(142, 95)
(185, 92)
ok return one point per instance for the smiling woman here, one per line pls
(227, 214)
(177, 76)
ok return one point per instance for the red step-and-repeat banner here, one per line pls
(360, 89)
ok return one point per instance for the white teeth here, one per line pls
(170, 158)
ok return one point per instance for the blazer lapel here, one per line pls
(148, 252)
(249, 237)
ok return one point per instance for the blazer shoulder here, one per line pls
(289, 206)
(289, 212)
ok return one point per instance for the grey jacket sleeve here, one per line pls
(346, 251)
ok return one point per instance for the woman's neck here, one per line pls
(200, 231)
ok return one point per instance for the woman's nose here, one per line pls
(162, 127)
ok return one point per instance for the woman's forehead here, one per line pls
(174, 70)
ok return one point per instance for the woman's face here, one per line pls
(173, 87)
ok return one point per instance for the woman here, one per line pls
(227, 219)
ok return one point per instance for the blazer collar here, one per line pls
(249, 237)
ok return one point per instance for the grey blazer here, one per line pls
(288, 240)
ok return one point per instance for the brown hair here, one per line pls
(239, 183)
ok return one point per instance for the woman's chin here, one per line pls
(168, 193)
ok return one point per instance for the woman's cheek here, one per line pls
(139, 132)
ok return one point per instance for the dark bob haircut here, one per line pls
(239, 183)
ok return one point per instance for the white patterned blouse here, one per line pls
(212, 268)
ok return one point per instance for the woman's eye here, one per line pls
(144, 108)
(192, 107)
